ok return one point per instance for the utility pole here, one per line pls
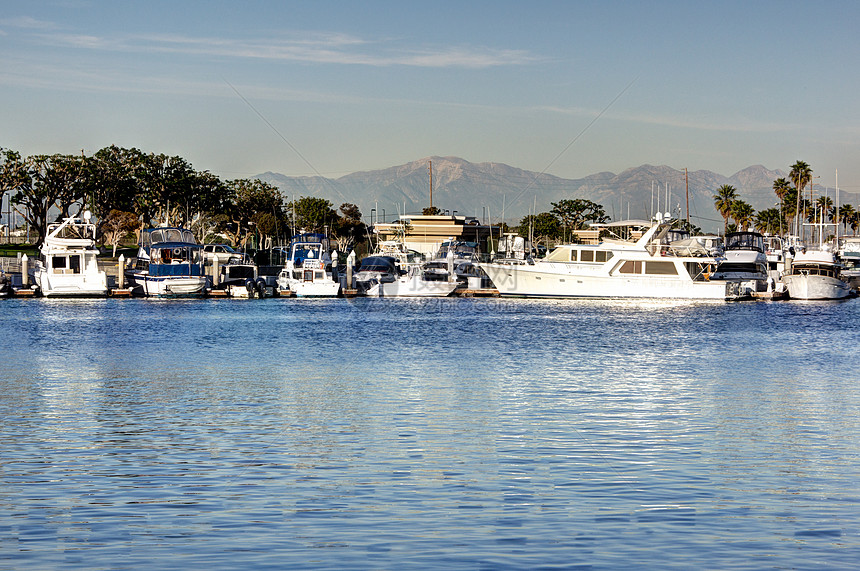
(431, 185)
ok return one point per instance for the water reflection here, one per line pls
(396, 433)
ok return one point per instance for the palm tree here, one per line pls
(768, 221)
(723, 201)
(743, 213)
(781, 187)
(846, 214)
(824, 205)
(800, 174)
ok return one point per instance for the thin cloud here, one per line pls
(743, 126)
(333, 48)
(27, 23)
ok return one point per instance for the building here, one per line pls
(424, 233)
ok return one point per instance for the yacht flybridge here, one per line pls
(647, 267)
(68, 266)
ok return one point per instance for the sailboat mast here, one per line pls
(687, 183)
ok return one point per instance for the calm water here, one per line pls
(387, 434)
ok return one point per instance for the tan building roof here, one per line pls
(425, 233)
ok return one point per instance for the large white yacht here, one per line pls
(647, 267)
(815, 274)
(68, 266)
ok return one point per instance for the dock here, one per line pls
(481, 292)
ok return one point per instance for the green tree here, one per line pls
(245, 199)
(768, 221)
(846, 213)
(572, 214)
(542, 228)
(431, 211)
(165, 188)
(313, 214)
(348, 229)
(723, 201)
(743, 214)
(68, 173)
(36, 183)
(824, 209)
(801, 175)
(111, 181)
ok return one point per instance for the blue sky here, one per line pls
(569, 88)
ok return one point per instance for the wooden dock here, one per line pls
(482, 292)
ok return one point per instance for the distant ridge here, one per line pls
(483, 189)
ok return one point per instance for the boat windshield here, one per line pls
(377, 264)
(304, 250)
(176, 254)
(745, 241)
(169, 235)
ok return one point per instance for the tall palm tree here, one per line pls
(743, 213)
(781, 186)
(723, 200)
(846, 213)
(800, 174)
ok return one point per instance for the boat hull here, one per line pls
(171, 286)
(315, 289)
(411, 287)
(76, 285)
(816, 287)
(524, 280)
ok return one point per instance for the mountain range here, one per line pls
(492, 190)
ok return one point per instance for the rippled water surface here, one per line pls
(389, 434)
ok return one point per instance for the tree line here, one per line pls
(780, 219)
(129, 190)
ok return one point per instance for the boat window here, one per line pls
(602, 256)
(586, 255)
(661, 268)
(630, 267)
(573, 255)
(59, 262)
(558, 255)
(75, 264)
(699, 271)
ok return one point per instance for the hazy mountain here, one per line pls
(485, 189)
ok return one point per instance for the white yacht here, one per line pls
(68, 265)
(744, 261)
(309, 271)
(815, 274)
(849, 256)
(381, 276)
(615, 268)
(169, 264)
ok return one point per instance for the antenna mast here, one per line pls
(431, 185)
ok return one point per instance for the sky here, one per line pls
(328, 88)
